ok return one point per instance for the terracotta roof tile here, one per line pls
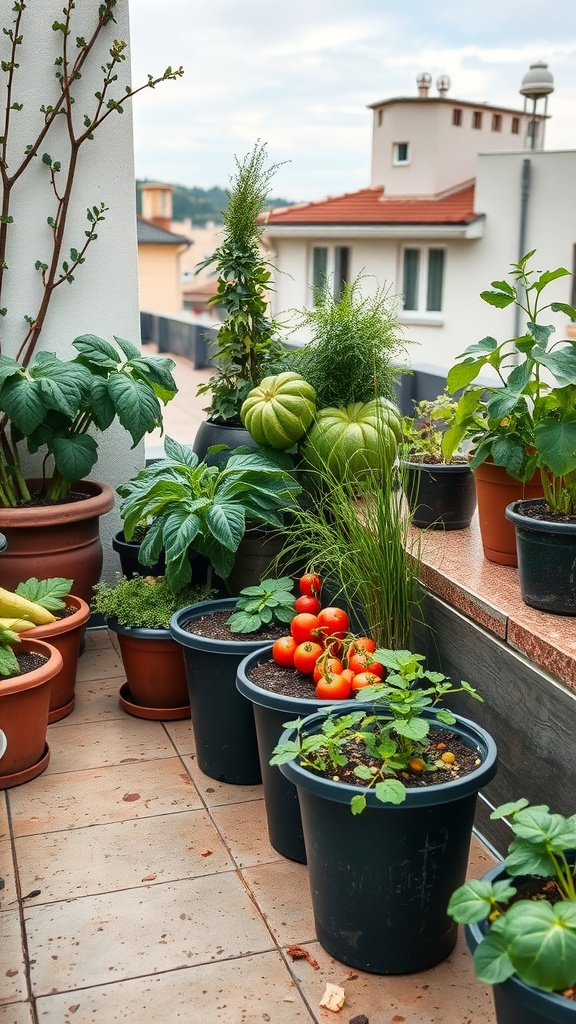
(372, 206)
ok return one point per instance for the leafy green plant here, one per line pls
(534, 939)
(48, 594)
(247, 341)
(190, 506)
(527, 419)
(44, 400)
(269, 602)
(8, 661)
(394, 740)
(53, 403)
(147, 602)
(18, 611)
(423, 433)
(355, 348)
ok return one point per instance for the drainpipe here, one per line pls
(524, 197)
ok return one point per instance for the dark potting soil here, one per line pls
(28, 662)
(287, 681)
(427, 459)
(215, 626)
(544, 513)
(39, 499)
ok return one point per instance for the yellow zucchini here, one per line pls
(16, 625)
(13, 606)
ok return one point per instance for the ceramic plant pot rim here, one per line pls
(80, 616)
(99, 500)
(38, 676)
(515, 516)
(545, 1003)
(424, 796)
(205, 643)
(138, 632)
(268, 699)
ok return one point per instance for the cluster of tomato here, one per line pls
(321, 645)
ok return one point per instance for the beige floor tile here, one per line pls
(122, 855)
(97, 700)
(4, 828)
(480, 860)
(243, 827)
(216, 793)
(8, 896)
(16, 1013)
(95, 638)
(99, 663)
(182, 736)
(99, 939)
(76, 747)
(446, 994)
(253, 990)
(13, 969)
(282, 893)
(118, 793)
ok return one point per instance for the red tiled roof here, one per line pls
(372, 206)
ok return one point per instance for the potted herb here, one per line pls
(521, 919)
(48, 404)
(247, 341)
(440, 491)
(138, 611)
(215, 636)
(390, 789)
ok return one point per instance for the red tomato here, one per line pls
(302, 626)
(283, 651)
(362, 661)
(306, 655)
(327, 666)
(348, 674)
(333, 688)
(362, 643)
(310, 584)
(334, 622)
(362, 679)
(307, 603)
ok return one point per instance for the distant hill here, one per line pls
(201, 205)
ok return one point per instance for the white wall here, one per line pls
(104, 296)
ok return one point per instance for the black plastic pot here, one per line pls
(223, 722)
(381, 880)
(546, 557)
(129, 560)
(441, 497)
(271, 712)
(209, 434)
(514, 1001)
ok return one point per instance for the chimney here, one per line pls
(424, 81)
(157, 204)
(443, 84)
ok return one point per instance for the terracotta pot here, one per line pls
(156, 686)
(56, 540)
(495, 490)
(24, 705)
(64, 635)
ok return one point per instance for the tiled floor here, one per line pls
(137, 889)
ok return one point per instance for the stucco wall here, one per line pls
(103, 299)
(159, 278)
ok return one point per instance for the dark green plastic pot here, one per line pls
(381, 880)
(441, 497)
(515, 1001)
(546, 557)
(271, 713)
(223, 722)
(209, 434)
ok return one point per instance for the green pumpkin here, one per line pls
(279, 411)
(349, 442)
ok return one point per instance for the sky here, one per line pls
(299, 75)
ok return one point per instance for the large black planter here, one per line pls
(223, 722)
(381, 880)
(546, 557)
(440, 497)
(209, 434)
(130, 563)
(271, 712)
(515, 1001)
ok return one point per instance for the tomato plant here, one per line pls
(334, 622)
(306, 655)
(303, 626)
(283, 651)
(326, 666)
(307, 603)
(333, 688)
(363, 661)
(310, 584)
(362, 679)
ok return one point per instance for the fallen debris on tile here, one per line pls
(334, 997)
(299, 953)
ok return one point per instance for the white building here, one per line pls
(457, 193)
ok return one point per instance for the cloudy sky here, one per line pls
(299, 75)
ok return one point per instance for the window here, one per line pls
(423, 279)
(496, 122)
(380, 118)
(401, 152)
(477, 119)
(333, 263)
(457, 117)
(515, 126)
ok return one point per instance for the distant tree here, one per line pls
(201, 205)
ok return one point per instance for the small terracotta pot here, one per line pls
(64, 540)
(495, 490)
(155, 674)
(24, 705)
(65, 635)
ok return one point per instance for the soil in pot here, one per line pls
(214, 625)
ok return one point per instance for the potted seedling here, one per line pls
(521, 919)
(390, 789)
